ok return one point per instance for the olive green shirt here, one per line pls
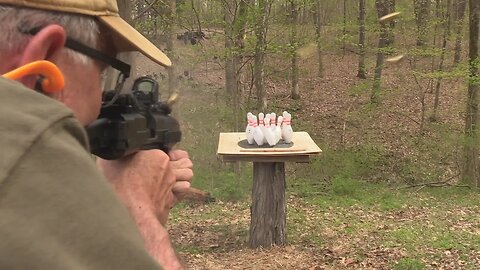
(56, 209)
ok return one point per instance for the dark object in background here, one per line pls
(192, 37)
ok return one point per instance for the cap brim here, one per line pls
(129, 39)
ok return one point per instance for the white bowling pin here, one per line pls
(278, 129)
(261, 125)
(249, 129)
(273, 120)
(265, 121)
(287, 131)
(257, 133)
(249, 115)
(269, 135)
(284, 115)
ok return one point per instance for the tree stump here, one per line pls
(268, 210)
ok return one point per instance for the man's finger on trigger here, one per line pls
(183, 174)
(177, 154)
(181, 186)
(183, 163)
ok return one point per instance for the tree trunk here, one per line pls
(383, 7)
(240, 35)
(268, 196)
(293, 46)
(231, 64)
(230, 79)
(361, 40)
(422, 11)
(170, 37)
(446, 33)
(471, 172)
(459, 22)
(434, 44)
(344, 27)
(318, 36)
(125, 10)
(390, 7)
(197, 16)
(260, 48)
(235, 20)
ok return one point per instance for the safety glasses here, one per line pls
(79, 47)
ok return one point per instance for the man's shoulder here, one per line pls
(24, 116)
(18, 101)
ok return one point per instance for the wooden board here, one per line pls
(258, 158)
(228, 144)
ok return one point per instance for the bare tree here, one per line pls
(170, 37)
(471, 173)
(422, 11)
(317, 18)
(383, 7)
(197, 16)
(361, 40)
(230, 63)
(446, 33)
(344, 27)
(293, 49)
(459, 22)
(261, 27)
(235, 22)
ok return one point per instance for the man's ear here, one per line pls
(45, 45)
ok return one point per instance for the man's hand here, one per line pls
(145, 182)
(182, 167)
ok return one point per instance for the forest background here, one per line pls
(392, 104)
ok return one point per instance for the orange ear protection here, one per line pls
(52, 78)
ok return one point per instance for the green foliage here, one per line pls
(339, 174)
(297, 221)
(474, 75)
(360, 88)
(425, 51)
(209, 17)
(408, 236)
(200, 138)
(386, 50)
(460, 71)
(445, 241)
(430, 160)
(234, 188)
(360, 161)
(346, 187)
(409, 264)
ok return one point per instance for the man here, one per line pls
(58, 210)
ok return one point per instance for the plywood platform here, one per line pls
(231, 147)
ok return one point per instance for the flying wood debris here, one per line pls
(395, 59)
(389, 17)
(172, 99)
